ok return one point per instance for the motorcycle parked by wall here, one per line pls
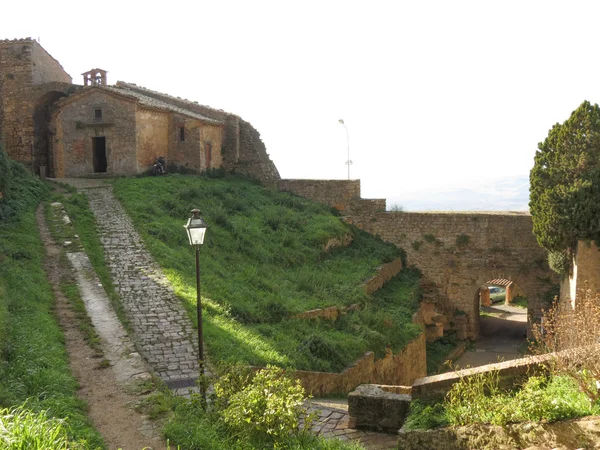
(160, 166)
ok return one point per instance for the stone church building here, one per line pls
(60, 129)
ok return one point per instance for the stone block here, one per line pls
(372, 408)
(434, 332)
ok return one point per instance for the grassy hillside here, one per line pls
(264, 260)
(34, 371)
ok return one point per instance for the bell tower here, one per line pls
(94, 77)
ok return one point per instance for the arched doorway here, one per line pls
(502, 324)
(42, 136)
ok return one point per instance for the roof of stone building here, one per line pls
(169, 98)
(499, 282)
(151, 102)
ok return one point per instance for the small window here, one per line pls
(97, 113)
(181, 134)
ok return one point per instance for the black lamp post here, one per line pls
(196, 228)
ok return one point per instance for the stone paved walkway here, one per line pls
(333, 422)
(162, 329)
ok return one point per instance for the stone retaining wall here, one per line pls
(384, 274)
(403, 368)
(568, 434)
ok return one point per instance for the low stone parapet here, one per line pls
(508, 372)
(371, 407)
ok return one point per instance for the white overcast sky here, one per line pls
(435, 94)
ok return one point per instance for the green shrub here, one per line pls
(425, 416)
(462, 240)
(560, 262)
(270, 406)
(479, 399)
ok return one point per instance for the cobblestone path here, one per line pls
(162, 329)
(333, 422)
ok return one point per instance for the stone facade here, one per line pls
(134, 131)
(60, 137)
(241, 150)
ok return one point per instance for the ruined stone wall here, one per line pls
(458, 252)
(76, 125)
(403, 368)
(334, 193)
(152, 137)
(253, 158)
(27, 73)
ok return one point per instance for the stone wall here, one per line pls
(334, 193)
(584, 278)
(27, 75)
(458, 252)
(401, 369)
(213, 136)
(187, 152)
(567, 434)
(152, 138)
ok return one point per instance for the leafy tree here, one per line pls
(565, 182)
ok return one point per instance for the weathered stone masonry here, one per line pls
(456, 252)
(31, 84)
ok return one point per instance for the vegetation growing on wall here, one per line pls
(565, 182)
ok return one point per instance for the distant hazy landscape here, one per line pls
(505, 194)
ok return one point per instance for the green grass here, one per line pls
(84, 226)
(520, 302)
(480, 400)
(263, 261)
(438, 351)
(34, 369)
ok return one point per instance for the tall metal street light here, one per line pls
(196, 228)
(348, 161)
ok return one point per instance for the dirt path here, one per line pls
(110, 409)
